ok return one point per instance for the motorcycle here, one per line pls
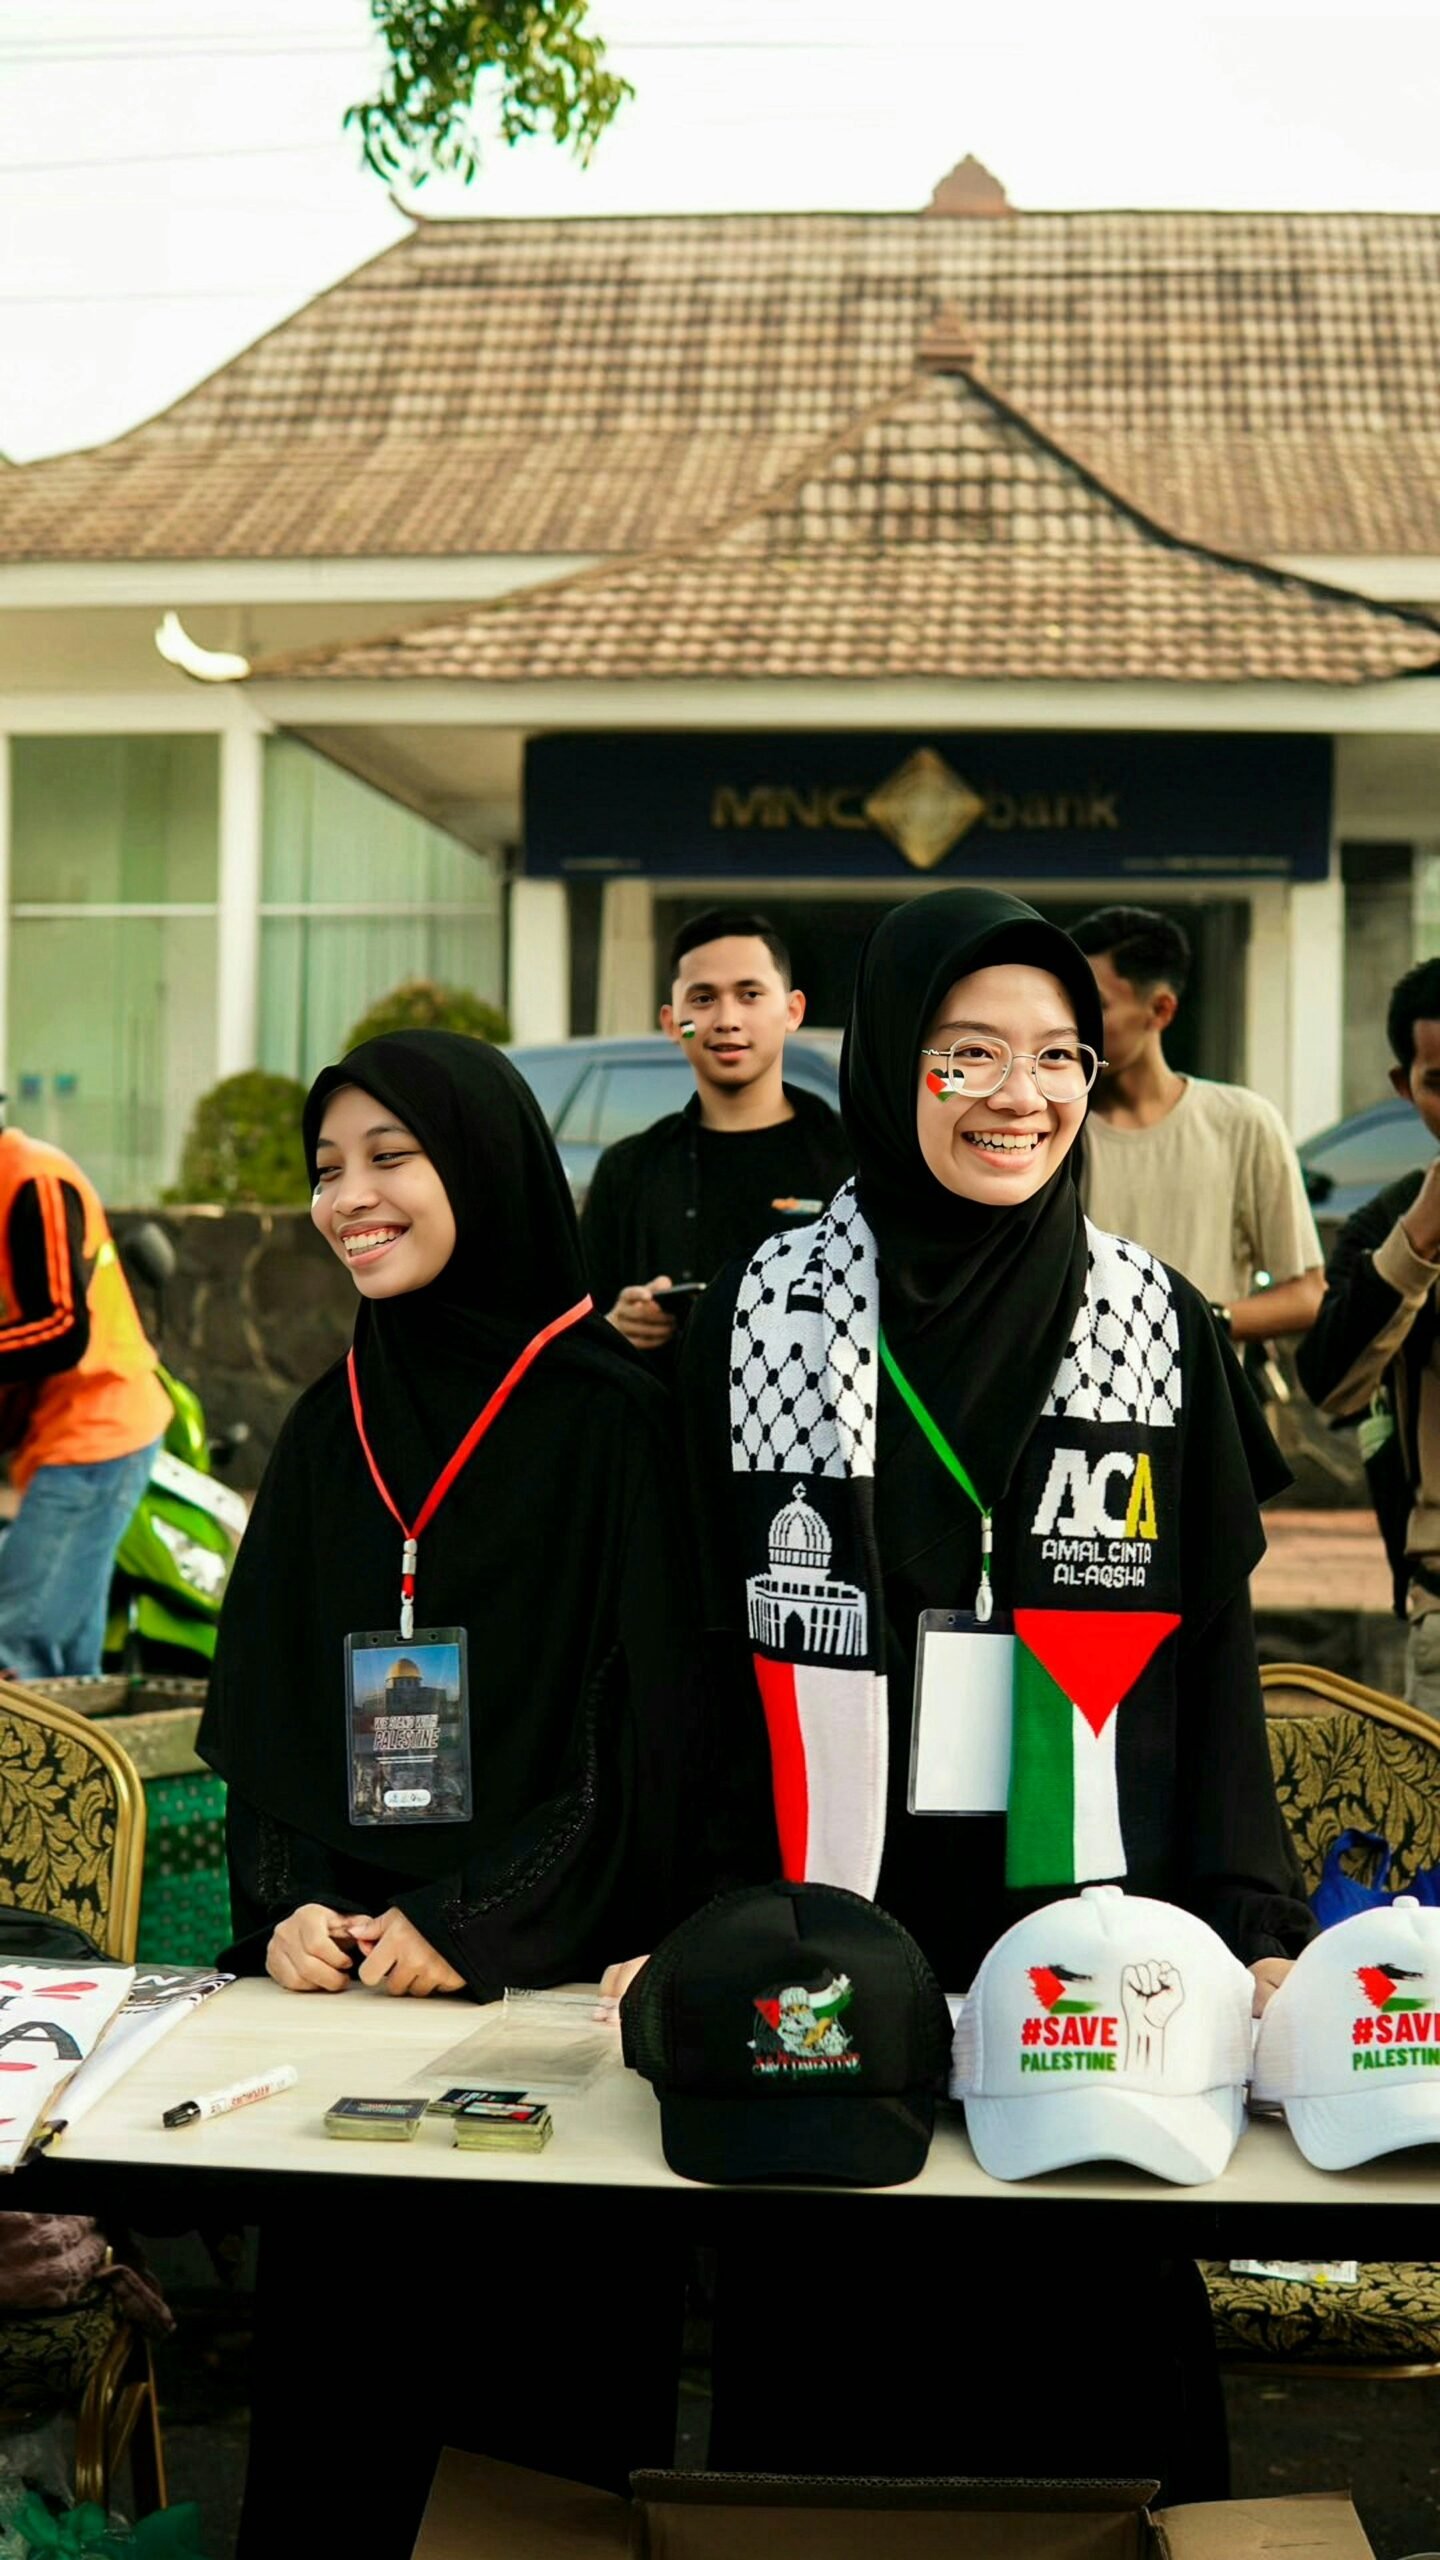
(174, 1561)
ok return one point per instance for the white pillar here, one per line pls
(242, 823)
(1425, 900)
(1316, 1028)
(1267, 994)
(4, 911)
(627, 958)
(539, 960)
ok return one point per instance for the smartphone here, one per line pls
(675, 1301)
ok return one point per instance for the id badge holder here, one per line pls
(407, 1721)
(963, 1712)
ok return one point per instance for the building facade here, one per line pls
(587, 569)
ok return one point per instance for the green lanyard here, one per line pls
(984, 1597)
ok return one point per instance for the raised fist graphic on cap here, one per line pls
(1150, 1994)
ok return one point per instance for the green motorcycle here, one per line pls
(174, 1561)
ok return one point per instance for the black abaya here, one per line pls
(980, 1304)
(559, 1552)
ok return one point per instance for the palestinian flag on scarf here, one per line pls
(1072, 1668)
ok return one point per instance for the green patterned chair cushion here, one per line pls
(1340, 1771)
(185, 1905)
(1392, 2316)
(58, 1816)
(47, 2357)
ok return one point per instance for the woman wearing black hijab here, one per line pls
(555, 1549)
(953, 1394)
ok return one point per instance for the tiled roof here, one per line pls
(1270, 378)
(942, 537)
(326, 501)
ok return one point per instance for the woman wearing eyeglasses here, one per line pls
(978, 1488)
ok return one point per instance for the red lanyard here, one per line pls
(463, 1454)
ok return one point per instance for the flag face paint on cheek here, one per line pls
(687, 1030)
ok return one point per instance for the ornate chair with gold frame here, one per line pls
(72, 1821)
(72, 1848)
(1345, 1758)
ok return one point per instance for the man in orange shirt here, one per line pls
(75, 1359)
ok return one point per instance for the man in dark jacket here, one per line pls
(1375, 1347)
(748, 1154)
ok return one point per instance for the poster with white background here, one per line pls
(51, 2017)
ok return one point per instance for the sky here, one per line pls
(175, 177)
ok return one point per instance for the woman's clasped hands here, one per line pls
(318, 1949)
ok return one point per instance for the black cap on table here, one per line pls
(791, 2031)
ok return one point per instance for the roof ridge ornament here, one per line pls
(970, 189)
(947, 343)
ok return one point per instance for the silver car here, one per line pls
(593, 1091)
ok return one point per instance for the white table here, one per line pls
(362, 2043)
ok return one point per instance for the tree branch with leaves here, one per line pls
(550, 75)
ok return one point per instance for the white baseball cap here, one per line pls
(1350, 2043)
(1107, 2028)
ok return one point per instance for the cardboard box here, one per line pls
(483, 2510)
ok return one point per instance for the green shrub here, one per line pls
(421, 1005)
(243, 1147)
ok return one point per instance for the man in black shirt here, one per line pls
(748, 1154)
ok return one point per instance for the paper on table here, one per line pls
(158, 1999)
(186, 1983)
(51, 2017)
(547, 2043)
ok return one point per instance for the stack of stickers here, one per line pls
(484, 2119)
(502, 2124)
(495, 2119)
(375, 2119)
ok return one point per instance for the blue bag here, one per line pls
(1339, 1896)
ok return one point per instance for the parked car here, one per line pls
(593, 1091)
(1346, 1165)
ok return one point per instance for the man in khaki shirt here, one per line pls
(1376, 1342)
(1203, 1174)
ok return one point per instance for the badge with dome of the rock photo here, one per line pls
(407, 1712)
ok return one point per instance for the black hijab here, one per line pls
(977, 1302)
(428, 1360)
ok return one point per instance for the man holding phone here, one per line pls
(748, 1154)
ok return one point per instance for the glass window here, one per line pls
(115, 821)
(112, 1040)
(335, 848)
(333, 841)
(318, 974)
(633, 1094)
(576, 1124)
(112, 1017)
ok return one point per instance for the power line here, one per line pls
(185, 48)
(241, 293)
(163, 159)
(180, 50)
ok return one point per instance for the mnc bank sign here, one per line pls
(962, 804)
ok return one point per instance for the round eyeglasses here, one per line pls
(978, 1065)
